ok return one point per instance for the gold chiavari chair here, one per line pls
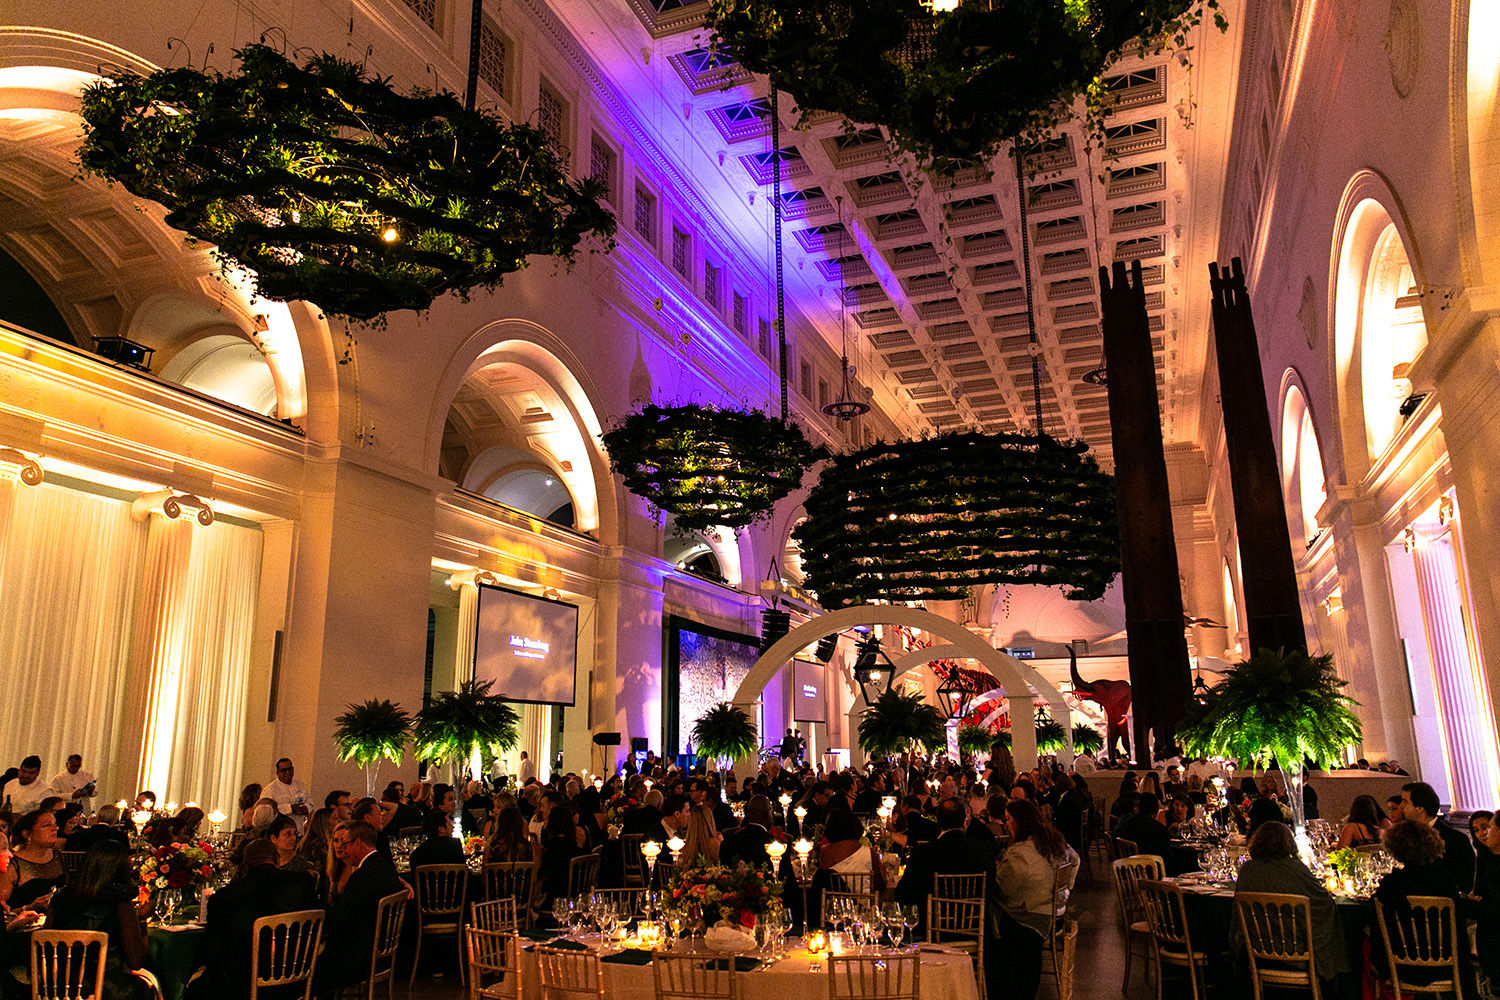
(1423, 939)
(494, 954)
(286, 946)
(60, 964)
(873, 977)
(1129, 873)
(1166, 912)
(441, 893)
(1278, 938)
(569, 975)
(689, 977)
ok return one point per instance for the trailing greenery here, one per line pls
(709, 466)
(725, 730)
(329, 186)
(372, 732)
(1286, 705)
(460, 725)
(926, 520)
(953, 86)
(896, 721)
(973, 738)
(1086, 739)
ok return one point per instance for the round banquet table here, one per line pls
(945, 976)
(172, 956)
(1210, 913)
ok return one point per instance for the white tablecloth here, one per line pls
(944, 977)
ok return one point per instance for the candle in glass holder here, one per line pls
(122, 805)
(217, 818)
(801, 813)
(817, 942)
(675, 845)
(785, 801)
(775, 849)
(171, 807)
(141, 817)
(884, 813)
(598, 783)
(888, 802)
(649, 783)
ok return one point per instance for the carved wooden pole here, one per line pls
(1157, 647)
(1273, 615)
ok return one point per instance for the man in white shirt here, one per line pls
(526, 772)
(74, 783)
(26, 791)
(290, 795)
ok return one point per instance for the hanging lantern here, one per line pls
(709, 466)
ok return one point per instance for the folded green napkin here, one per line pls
(742, 963)
(628, 957)
(563, 945)
(540, 933)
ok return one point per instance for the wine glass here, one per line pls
(895, 926)
(578, 914)
(167, 902)
(562, 911)
(911, 917)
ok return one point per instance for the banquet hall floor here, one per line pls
(1100, 961)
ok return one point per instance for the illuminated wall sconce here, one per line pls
(473, 578)
(170, 504)
(16, 465)
(1445, 509)
(552, 594)
(1409, 538)
(1334, 602)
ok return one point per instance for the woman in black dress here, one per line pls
(102, 898)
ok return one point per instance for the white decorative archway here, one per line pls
(1010, 672)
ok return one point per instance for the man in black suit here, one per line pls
(646, 818)
(106, 827)
(1150, 835)
(402, 816)
(748, 842)
(352, 911)
(1419, 803)
(262, 891)
(919, 829)
(439, 847)
(952, 853)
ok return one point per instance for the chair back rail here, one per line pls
(284, 950)
(871, 977)
(689, 977)
(1423, 936)
(494, 954)
(1277, 928)
(569, 975)
(67, 965)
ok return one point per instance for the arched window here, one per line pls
(1302, 479)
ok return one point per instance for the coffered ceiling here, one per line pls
(929, 270)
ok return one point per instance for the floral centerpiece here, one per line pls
(473, 846)
(177, 866)
(1345, 861)
(737, 896)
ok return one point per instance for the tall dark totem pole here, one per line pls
(1273, 614)
(1157, 645)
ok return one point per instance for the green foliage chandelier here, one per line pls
(709, 466)
(329, 186)
(952, 85)
(925, 520)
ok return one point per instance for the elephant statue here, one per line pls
(1111, 696)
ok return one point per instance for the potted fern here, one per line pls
(896, 721)
(461, 725)
(725, 732)
(1288, 706)
(370, 733)
(973, 738)
(1086, 739)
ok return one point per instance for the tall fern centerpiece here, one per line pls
(898, 720)
(1288, 706)
(725, 732)
(461, 725)
(370, 733)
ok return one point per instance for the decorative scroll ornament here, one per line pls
(709, 466)
(952, 82)
(925, 520)
(329, 186)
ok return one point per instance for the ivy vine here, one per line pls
(952, 86)
(925, 520)
(329, 186)
(709, 466)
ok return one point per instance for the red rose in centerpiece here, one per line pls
(747, 919)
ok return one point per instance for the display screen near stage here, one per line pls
(528, 646)
(808, 703)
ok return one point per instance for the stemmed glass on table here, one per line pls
(895, 923)
(562, 912)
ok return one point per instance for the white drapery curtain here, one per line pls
(127, 642)
(70, 573)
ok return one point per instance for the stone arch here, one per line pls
(1304, 480)
(540, 352)
(1007, 669)
(1371, 244)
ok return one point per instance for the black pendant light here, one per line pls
(846, 407)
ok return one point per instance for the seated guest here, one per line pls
(912, 827)
(34, 869)
(952, 853)
(1236, 814)
(1363, 827)
(106, 827)
(371, 812)
(1266, 809)
(401, 815)
(844, 854)
(748, 842)
(508, 841)
(179, 829)
(1148, 833)
(1067, 811)
(439, 846)
(701, 839)
(1275, 867)
(1479, 824)
(102, 898)
(69, 822)
(262, 890)
(1419, 803)
(1424, 871)
(1487, 901)
(476, 808)
(350, 932)
(26, 789)
(1123, 810)
(559, 848)
(282, 834)
(248, 800)
(315, 839)
(1393, 807)
(1180, 817)
(1025, 883)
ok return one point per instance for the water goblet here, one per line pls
(910, 919)
(562, 911)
